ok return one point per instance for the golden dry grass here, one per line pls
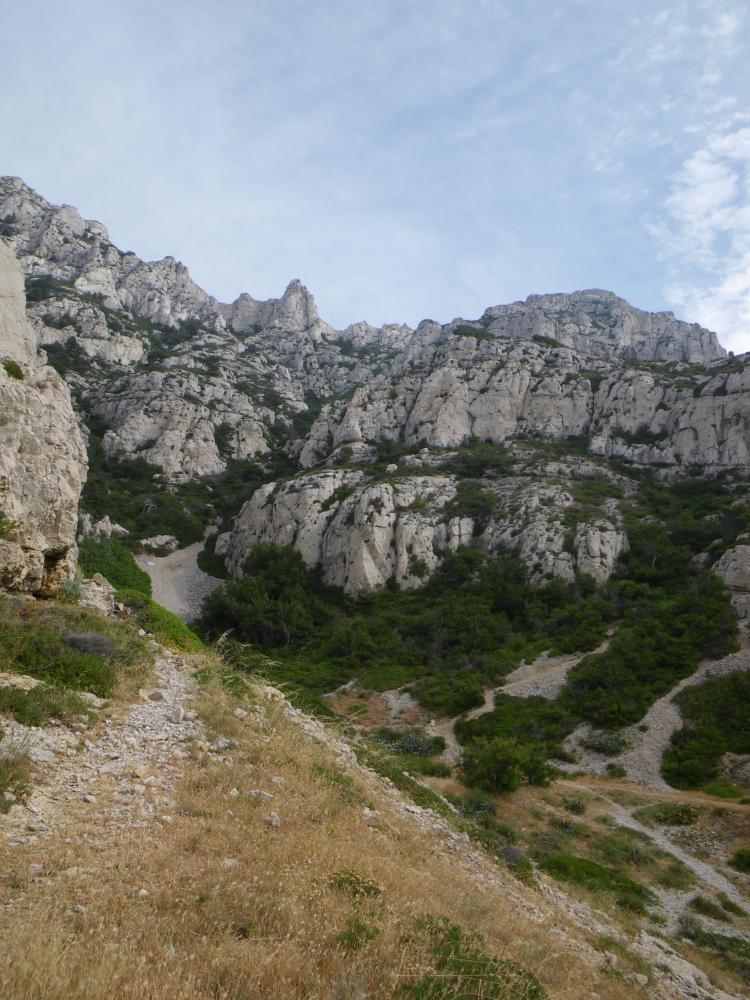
(271, 925)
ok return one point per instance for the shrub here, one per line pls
(13, 369)
(610, 744)
(575, 806)
(708, 908)
(741, 860)
(113, 560)
(590, 875)
(69, 592)
(450, 693)
(7, 527)
(716, 720)
(15, 768)
(670, 813)
(166, 627)
(500, 764)
(453, 965)
(34, 707)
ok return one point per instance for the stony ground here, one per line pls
(124, 775)
(177, 582)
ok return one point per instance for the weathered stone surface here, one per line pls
(42, 455)
(734, 569)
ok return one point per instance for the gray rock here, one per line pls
(220, 744)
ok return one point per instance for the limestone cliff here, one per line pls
(164, 372)
(42, 454)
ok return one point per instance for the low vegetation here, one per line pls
(111, 558)
(716, 718)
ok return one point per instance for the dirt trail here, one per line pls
(177, 581)
(123, 776)
(672, 901)
(642, 761)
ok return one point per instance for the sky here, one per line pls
(405, 160)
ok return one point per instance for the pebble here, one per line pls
(143, 894)
(176, 714)
(274, 820)
(36, 869)
(278, 780)
(230, 863)
(257, 793)
(156, 696)
(234, 793)
(89, 798)
(240, 713)
(9, 797)
(222, 743)
(170, 951)
(73, 911)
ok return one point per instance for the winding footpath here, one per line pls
(123, 775)
(642, 761)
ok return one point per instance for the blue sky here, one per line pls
(404, 159)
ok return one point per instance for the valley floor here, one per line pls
(177, 582)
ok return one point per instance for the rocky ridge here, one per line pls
(168, 374)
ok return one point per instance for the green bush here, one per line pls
(716, 720)
(42, 652)
(13, 369)
(590, 875)
(501, 764)
(7, 527)
(210, 563)
(708, 908)
(669, 813)
(741, 860)
(610, 744)
(166, 627)
(454, 965)
(34, 707)
(114, 561)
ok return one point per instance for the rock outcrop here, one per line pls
(734, 569)
(164, 372)
(42, 454)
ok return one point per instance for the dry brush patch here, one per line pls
(220, 902)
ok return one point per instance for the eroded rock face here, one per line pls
(734, 569)
(42, 454)
(363, 533)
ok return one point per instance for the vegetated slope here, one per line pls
(196, 834)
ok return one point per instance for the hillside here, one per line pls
(500, 570)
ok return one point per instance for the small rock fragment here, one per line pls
(278, 780)
(143, 894)
(257, 793)
(176, 714)
(240, 713)
(89, 798)
(222, 743)
(234, 793)
(274, 820)
(230, 863)
(156, 696)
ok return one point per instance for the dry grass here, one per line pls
(272, 925)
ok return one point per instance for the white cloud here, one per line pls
(706, 237)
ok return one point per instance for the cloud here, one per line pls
(705, 237)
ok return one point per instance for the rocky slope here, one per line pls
(42, 454)
(166, 373)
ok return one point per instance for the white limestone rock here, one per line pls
(42, 454)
